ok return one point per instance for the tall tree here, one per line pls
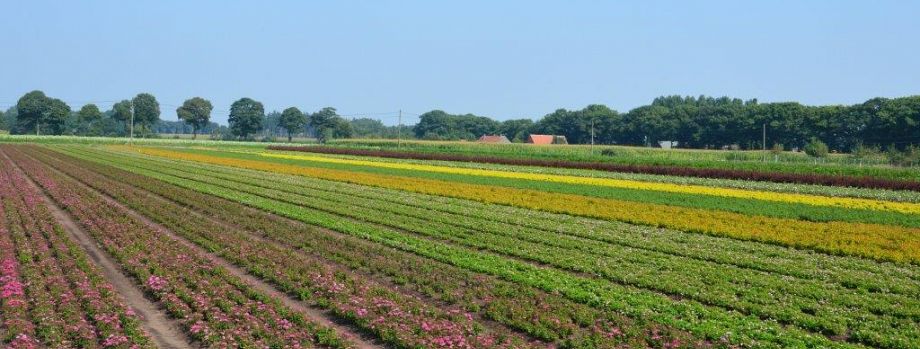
(342, 128)
(324, 123)
(33, 108)
(123, 111)
(57, 115)
(292, 120)
(88, 117)
(246, 117)
(146, 110)
(195, 112)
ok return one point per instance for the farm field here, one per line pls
(686, 160)
(200, 244)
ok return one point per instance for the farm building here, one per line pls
(546, 139)
(494, 139)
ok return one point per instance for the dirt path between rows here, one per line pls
(164, 331)
(359, 338)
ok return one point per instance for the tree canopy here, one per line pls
(40, 113)
(324, 123)
(438, 124)
(196, 112)
(123, 111)
(246, 117)
(146, 110)
(292, 120)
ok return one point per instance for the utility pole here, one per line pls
(765, 142)
(399, 131)
(132, 127)
(592, 136)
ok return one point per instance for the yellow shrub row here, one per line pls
(861, 239)
(816, 200)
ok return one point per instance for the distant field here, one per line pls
(786, 162)
(230, 244)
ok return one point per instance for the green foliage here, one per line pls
(439, 125)
(292, 120)
(651, 261)
(342, 129)
(196, 112)
(324, 123)
(516, 130)
(89, 120)
(38, 112)
(146, 110)
(816, 148)
(89, 113)
(123, 111)
(246, 117)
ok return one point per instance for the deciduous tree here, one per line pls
(195, 112)
(292, 120)
(246, 117)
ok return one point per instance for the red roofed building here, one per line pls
(546, 139)
(494, 139)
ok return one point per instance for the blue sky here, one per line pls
(503, 59)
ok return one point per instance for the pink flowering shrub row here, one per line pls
(394, 316)
(69, 303)
(546, 316)
(214, 307)
(16, 327)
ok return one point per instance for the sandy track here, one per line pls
(164, 331)
(360, 339)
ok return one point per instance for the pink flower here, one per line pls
(197, 328)
(114, 341)
(13, 288)
(23, 341)
(156, 283)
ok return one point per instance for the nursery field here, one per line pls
(189, 245)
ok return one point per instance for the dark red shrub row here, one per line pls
(761, 176)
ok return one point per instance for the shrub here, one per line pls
(816, 148)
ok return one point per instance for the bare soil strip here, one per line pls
(164, 331)
(361, 339)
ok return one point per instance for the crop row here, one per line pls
(831, 309)
(815, 200)
(818, 209)
(546, 316)
(50, 294)
(708, 321)
(849, 272)
(796, 188)
(821, 179)
(214, 307)
(408, 322)
(869, 240)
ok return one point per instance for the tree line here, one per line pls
(705, 122)
(691, 122)
(37, 113)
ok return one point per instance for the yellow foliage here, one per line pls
(815, 200)
(860, 239)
